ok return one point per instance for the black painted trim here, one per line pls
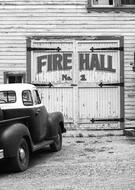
(122, 110)
(111, 9)
(28, 59)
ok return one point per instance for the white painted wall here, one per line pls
(25, 18)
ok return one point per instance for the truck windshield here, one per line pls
(7, 97)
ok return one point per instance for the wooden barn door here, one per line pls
(100, 84)
(52, 70)
(81, 78)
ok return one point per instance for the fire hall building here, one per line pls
(80, 54)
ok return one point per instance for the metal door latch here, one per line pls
(44, 84)
(92, 49)
(110, 84)
(109, 119)
(42, 48)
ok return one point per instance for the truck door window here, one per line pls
(27, 98)
(36, 97)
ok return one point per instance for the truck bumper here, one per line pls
(1, 153)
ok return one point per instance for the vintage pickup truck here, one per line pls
(25, 124)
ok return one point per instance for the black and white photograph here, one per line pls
(67, 95)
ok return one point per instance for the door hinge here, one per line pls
(92, 49)
(43, 84)
(106, 120)
(110, 84)
(42, 48)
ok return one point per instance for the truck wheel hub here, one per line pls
(21, 153)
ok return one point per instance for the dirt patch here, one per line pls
(82, 164)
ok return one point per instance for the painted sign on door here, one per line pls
(85, 77)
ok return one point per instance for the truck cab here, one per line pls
(25, 124)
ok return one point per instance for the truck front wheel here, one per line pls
(21, 161)
(57, 144)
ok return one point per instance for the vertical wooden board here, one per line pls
(99, 63)
(78, 95)
(58, 99)
(55, 67)
(97, 102)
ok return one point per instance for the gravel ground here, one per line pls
(82, 164)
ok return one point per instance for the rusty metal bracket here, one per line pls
(43, 84)
(111, 84)
(42, 48)
(109, 119)
(92, 49)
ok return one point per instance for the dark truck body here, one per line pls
(27, 128)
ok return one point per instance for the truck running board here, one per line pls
(41, 145)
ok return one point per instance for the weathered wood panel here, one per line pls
(76, 74)
(22, 19)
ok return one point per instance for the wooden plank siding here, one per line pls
(25, 18)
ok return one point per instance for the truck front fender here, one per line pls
(10, 137)
(55, 120)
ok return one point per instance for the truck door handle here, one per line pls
(37, 112)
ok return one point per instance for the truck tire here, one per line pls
(57, 144)
(21, 161)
